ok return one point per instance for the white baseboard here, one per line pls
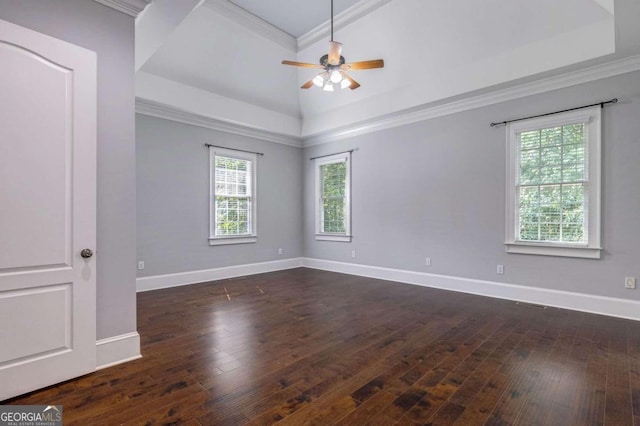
(602, 305)
(118, 349)
(193, 277)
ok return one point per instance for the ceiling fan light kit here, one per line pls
(336, 77)
(319, 79)
(334, 67)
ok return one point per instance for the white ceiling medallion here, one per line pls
(129, 7)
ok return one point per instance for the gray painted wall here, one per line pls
(437, 189)
(110, 34)
(173, 199)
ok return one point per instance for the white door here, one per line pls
(47, 210)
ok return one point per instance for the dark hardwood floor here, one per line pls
(305, 347)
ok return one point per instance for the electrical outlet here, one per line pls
(141, 265)
(629, 282)
(280, 251)
(500, 269)
(353, 253)
(427, 261)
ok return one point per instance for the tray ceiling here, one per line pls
(224, 52)
(294, 17)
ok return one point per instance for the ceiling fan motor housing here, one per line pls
(324, 61)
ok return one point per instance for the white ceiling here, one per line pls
(220, 56)
(222, 59)
(295, 17)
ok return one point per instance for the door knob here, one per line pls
(86, 253)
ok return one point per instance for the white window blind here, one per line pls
(552, 184)
(333, 180)
(233, 198)
(553, 192)
(333, 197)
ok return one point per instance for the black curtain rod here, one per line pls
(329, 155)
(602, 104)
(208, 145)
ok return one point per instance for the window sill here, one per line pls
(554, 250)
(232, 240)
(330, 237)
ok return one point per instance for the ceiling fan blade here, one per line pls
(354, 84)
(364, 65)
(335, 50)
(307, 85)
(302, 64)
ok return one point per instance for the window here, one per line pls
(333, 197)
(233, 197)
(553, 185)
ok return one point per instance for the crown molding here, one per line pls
(606, 5)
(167, 112)
(413, 115)
(253, 23)
(409, 116)
(129, 7)
(340, 21)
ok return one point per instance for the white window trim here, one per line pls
(215, 240)
(592, 250)
(327, 236)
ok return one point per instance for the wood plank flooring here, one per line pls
(307, 347)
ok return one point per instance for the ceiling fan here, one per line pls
(335, 67)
